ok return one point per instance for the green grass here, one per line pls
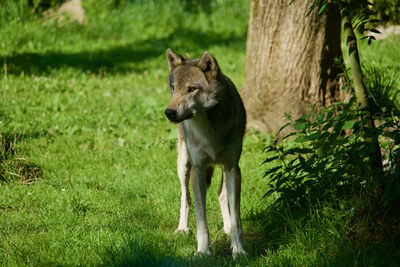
(87, 101)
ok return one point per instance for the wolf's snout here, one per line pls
(170, 113)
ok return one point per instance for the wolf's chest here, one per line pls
(202, 141)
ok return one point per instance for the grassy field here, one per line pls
(82, 109)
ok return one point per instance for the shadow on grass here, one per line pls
(88, 61)
(309, 229)
(270, 239)
(267, 231)
(120, 58)
(147, 250)
(135, 252)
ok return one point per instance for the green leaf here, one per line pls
(289, 135)
(322, 9)
(270, 159)
(298, 150)
(348, 125)
(313, 136)
(272, 171)
(290, 163)
(303, 118)
(300, 139)
(374, 20)
(268, 193)
(374, 31)
(300, 125)
(283, 127)
(370, 40)
(269, 149)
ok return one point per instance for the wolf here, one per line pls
(211, 122)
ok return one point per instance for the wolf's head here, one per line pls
(193, 85)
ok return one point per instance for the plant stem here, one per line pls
(361, 89)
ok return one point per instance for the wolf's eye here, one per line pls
(171, 83)
(192, 89)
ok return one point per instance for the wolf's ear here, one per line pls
(208, 64)
(174, 59)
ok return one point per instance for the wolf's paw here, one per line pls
(202, 253)
(238, 253)
(182, 231)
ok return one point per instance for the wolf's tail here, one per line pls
(209, 174)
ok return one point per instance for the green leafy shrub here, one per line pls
(383, 96)
(324, 162)
(334, 149)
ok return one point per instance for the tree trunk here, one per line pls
(290, 61)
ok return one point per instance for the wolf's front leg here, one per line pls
(198, 180)
(184, 167)
(233, 186)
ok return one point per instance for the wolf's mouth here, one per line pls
(182, 119)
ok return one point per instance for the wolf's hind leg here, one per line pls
(184, 167)
(233, 180)
(223, 203)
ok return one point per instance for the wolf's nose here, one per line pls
(170, 113)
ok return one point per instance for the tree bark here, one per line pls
(290, 61)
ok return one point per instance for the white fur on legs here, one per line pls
(233, 180)
(223, 203)
(183, 174)
(198, 180)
